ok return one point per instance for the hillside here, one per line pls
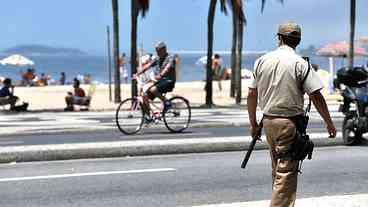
(44, 50)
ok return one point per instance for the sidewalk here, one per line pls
(44, 101)
(91, 121)
(51, 98)
(357, 200)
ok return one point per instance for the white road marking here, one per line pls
(358, 200)
(86, 174)
(10, 142)
(145, 136)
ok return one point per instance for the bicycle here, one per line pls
(130, 116)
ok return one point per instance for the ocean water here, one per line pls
(97, 66)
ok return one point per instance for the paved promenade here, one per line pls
(55, 125)
(46, 116)
(51, 98)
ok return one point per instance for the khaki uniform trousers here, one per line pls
(280, 133)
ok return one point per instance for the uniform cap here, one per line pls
(160, 45)
(290, 29)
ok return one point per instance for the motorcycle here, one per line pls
(353, 84)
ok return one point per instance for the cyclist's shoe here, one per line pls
(69, 108)
(167, 106)
(148, 120)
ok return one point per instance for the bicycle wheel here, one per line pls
(177, 117)
(129, 116)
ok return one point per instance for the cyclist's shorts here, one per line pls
(165, 85)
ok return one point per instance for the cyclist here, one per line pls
(164, 80)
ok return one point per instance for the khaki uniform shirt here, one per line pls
(278, 76)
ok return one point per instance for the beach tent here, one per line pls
(338, 49)
(247, 74)
(203, 61)
(17, 60)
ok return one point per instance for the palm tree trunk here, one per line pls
(239, 48)
(115, 13)
(211, 19)
(233, 54)
(133, 48)
(352, 32)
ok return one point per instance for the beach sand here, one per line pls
(52, 97)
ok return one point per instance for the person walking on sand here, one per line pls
(122, 68)
(62, 78)
(217, 70)
(280, 79)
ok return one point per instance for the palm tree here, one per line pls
(237, 44)
(137, 7)
(115, 13)
(210, 21)
(240, 22)
(233, 56)
(352, 32)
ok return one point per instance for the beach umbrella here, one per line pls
(340, 49)
(16, 60)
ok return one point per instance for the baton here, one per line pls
(251, 146)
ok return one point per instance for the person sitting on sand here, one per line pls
(87, 78)
(216, 70)
(28, 77)
(43, 80)
(7, 94)
(78, 97)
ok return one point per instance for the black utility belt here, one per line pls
(303, 146)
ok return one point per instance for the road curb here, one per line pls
(135, 148)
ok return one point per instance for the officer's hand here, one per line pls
(158, 77)
(254, 130)
(135, 76)
(331, 130)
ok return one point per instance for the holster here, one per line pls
(302, 146)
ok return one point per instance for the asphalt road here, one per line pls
(147, 133)
(175, 180)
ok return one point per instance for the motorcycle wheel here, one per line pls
(350, 135)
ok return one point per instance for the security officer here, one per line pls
(276, 87)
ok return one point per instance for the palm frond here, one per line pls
(223, 5)
(238, 4)
(264, 4)
(143, 7)
(235, 5)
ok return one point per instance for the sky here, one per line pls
(181, 23)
